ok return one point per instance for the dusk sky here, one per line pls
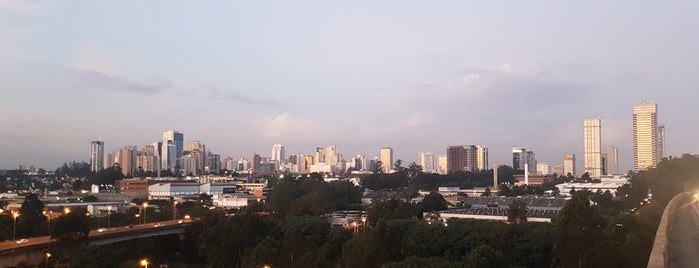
(361, 75)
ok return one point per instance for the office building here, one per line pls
(593, 147)
(481, 157)
(461, 158)
(542, 169)
(558, 170)
(522, 157)
(127, 160)
(569, 164)
(610, 155)
(327, 155)
(387, 159)
(442, 165)
(96, 156)
(172, 149)
(645, 135)
(278, 153)
(109, 160)
(426, 161)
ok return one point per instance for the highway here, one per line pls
(43, 241)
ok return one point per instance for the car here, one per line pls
(157, 224)
(101, 230)
(21, 241)
(180, 221)
(129, 227)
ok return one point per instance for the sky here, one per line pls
(240, 76)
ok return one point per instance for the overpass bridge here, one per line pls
(32, 251)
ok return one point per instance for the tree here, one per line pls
(487, 192)
(31, 216)
(434, 202)
(376, 167)
(485, 256)
(582, 228)
(398, 166)
(517, 212)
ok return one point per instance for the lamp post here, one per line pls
(48, 216)
(66, 210)
(109, 217)
(144, 263)
(174, 210)
(145, 210)
(15, 214)
(258, 205)
(48, 255)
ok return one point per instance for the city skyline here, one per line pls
(240, 77)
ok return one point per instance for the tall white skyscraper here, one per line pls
(426, 160)
(481, 157)
(645, 135)
(593, 147)
(278, 153)
(96, 156)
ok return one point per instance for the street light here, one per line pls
(48, 255)
(109, 217)
(66, 210)
(174, 210)
(48, 216)
(145, 210)
(144, 263)
(15, 214)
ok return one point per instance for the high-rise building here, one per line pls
(542, 169)
(359, 163)
(568, 164)
(461, 158)
(387, 159)
(109, 160)
(558, 170)
(519, 158)
(611, 160)
(255, 162)
(96, 156)
(645, 135)
(442, 165)
(278, 153)
(170, 159)
(327, 155)
(306, 163)
(193, 145)
(481, 157)
(593, 147)
(426, 160)
(522, 157)
(127, 160)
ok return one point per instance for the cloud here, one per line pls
(285, 127)
(235, 96)
(90, 79)
(19, 5)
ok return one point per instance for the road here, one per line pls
(677, 239)
(44, 240)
